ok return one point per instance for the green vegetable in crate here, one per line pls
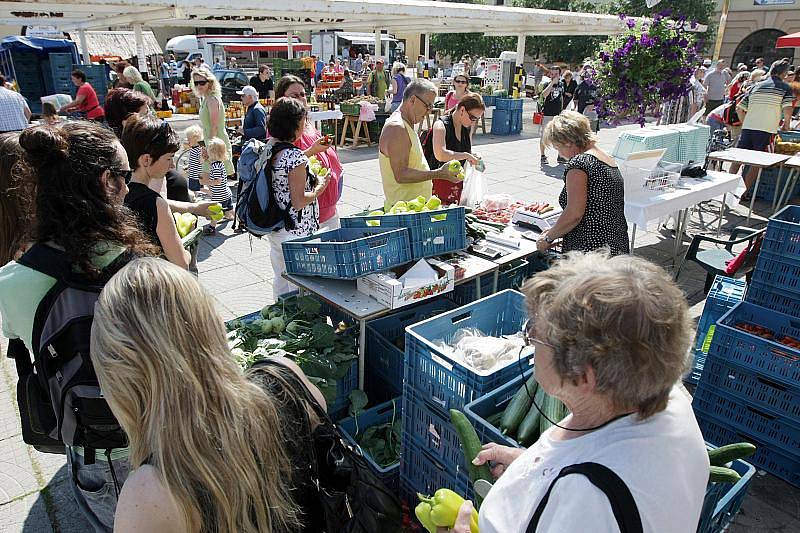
(470, 445)
(721, 474)
(730, 452)
(423, 512)
(518, 407)
(444, 509)
(528, 430)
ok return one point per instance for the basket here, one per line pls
(777, 271)
(350, 109)
(783, 233)
(510, 104)
(466, 293)
(770, 458)
(384, 367)
(724, 500)
(770, 359)
(347, 253)
(478, 411)
(445, 383)
(781, 301)
(429, 236)
(380, 414)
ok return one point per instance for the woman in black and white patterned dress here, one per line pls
(593, 198)
(296, 190)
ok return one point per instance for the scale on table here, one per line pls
(529, 219)
(495, 245)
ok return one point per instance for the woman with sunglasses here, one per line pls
(151, 144)
(212, 113)
(611, 336)
(454, 96)
(78, 171)
(452, 141)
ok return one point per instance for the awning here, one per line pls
(297, 47)
(363, 38)
(117, 43)
(789, 41)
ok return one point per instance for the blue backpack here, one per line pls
(257, 210)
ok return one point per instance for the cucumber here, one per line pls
(470, 445)
(720, 474)
(730, 452)
(553, 409)
(495, 419)
(528, 430)
(518, 407)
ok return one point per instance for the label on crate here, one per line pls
(709, 337)
(438, 240)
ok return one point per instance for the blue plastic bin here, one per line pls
(347, 253)
(420, 471)
(512, 275)
(516, 121)
(510, 104)
(489, 100)
(778, 271)
(774, 298)
(768, 358)
(466, 293)
(383, 370)
(501, 122)
(380, 414)
(429, 236)
(783, 233)
(767, 457)
(445, 382)
(478, 411)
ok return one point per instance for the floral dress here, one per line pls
(305, 221)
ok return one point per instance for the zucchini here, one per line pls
(470, 445)
(518, 407)
(730, 452)
(720, 474)
(553, 409)
(528, 430)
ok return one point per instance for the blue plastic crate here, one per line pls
(790, 136)
(429, 236)
(421, 471)
(767, 457)
(757, 390)
(347, 253)
(478, 411)
(512, 275)
(783, 233)
(724, 294)
(344, 387)
(779, 272)
(466, 293)
(445, 382)
(501, 122)
(383, 372)
(773, 298)
(380, 414)
(516, 121)
(489, 100)
(765, 357)
(724, 500)
(510, 104)
(763, 424)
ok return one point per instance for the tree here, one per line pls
(701, 11)
(457, 44)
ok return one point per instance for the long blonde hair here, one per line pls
(162, 359)
(214, 87)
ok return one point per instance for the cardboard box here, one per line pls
(391, 292)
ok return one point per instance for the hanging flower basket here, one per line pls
(648, 64)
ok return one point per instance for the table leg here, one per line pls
(721, 213)
(496, 280)
(791, 180)
(344, 130)
(633, 236)
(777, 188)
(753, 197)
(362, 350)
(357, 134)
(680, 226)
(478, 288)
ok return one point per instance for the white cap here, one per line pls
(249, 90)
(707, 63)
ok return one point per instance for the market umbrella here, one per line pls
(788, 41)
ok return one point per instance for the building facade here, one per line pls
(753, 27)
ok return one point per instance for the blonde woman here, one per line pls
(212, 112)
(134, 77)
(210, 450)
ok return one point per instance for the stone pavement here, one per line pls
(34, 491)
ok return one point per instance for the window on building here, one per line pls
(760, 43)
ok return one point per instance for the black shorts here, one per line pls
(754, 140)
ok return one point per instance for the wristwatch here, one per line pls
(548, 240)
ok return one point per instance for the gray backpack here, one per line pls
(60, 401)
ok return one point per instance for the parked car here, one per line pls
(231, 81)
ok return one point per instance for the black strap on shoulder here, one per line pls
(622, 503)
(54, 263)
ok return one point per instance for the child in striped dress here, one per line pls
(218, 181)
(194, 135)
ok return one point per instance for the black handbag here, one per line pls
(352, 498)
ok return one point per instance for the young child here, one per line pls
(218, 181)
(49, 115)
(194, 135)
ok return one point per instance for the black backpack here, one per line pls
(60, 401)
(426, 140)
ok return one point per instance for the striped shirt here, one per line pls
(220, 192)
(765, 104)
(195, 165)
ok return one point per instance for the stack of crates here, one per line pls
(750, 385)
(724, 294)
(61, 74)
(507, 116)
(31, 82)
(435, 382)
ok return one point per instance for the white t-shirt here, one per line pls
(662, 460)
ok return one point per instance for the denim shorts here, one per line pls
(194, 184)
(94, 490)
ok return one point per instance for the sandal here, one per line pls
(209, 230)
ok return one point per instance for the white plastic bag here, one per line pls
(367, 112)
(387, 105)
(472, 193)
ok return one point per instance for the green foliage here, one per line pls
(457, 44)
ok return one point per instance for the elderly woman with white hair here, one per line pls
(611, 336)
(134, 77)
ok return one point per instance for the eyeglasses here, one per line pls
(428, 106)
(530, 340)
(125, 173)
(460, 81)
(472, 117)
(201, 82)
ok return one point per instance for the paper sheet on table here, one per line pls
(419, 274)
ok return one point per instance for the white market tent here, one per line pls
(423, 16)
(118, 43)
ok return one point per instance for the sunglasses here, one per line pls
(460, 81)
(472, 117)
(201, 82)
(125, 174)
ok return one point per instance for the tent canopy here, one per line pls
(39, 45)
(118, 43)
(297, 47)
(362, 38)
(789, 41)
(423, 16)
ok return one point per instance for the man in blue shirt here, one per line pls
(255, 120)
(320, 64)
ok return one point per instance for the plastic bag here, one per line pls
(497, 202)
(387, 106)
(367, 113)
(474, 188)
